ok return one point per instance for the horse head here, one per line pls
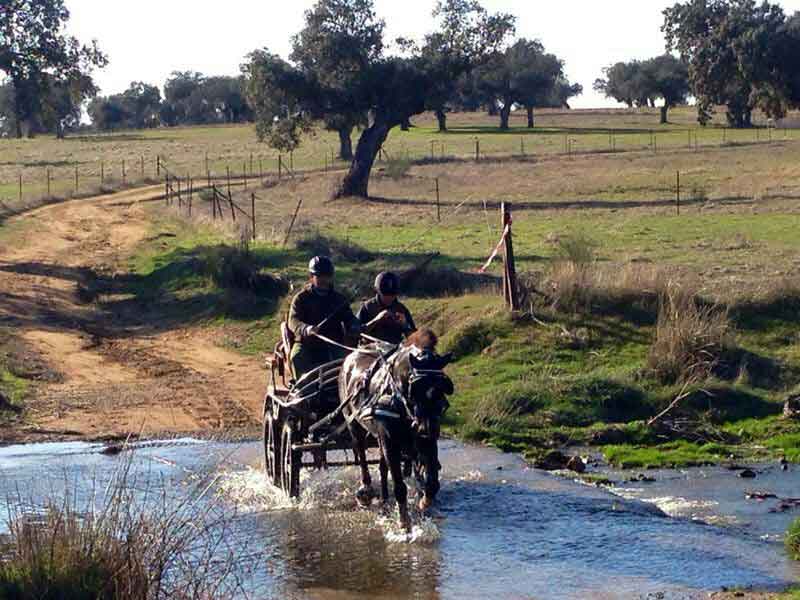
(427, 385)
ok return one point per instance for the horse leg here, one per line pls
(430, 457)
(383, 467)
(365, 493)
(394, 461)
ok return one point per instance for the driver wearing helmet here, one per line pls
(384, 316)
(319, 309)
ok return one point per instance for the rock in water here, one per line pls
(791, 408)
(576, 464)
(552, 461)
(747, 474)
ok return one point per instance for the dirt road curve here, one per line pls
(118, 367)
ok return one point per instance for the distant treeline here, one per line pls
(189, 99)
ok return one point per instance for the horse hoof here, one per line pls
(424, 504)
(364, 496)
(405, 521)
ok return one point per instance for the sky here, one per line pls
(148, 39)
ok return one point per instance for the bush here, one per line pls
(445, 281)
(632, 290)
(397, 168)
(321, 245)
(690, 339)
(792, 540)
(125, 547)
(576, 248)
(236, 267)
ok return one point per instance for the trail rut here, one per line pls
(119, 370)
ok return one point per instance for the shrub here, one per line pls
(236, 267)
(445, 281)
(397, 168)
(690, 337)
(317, 244)
(576, 248)
(131, 545)
(792, 540)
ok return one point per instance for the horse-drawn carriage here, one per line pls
(394, 398)
(302, 419)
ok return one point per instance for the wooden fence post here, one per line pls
(477, 149)
(233, 212)
(438, 209)
(291, 225)
(214, 202)
(158, 165)
(678, 194)
(509, 268)
(49, 195)
(180, 199)
(253, 214)
(280, 166)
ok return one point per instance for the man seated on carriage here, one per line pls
(384, 316)
(318, 309)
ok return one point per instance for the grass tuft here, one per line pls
(792, 540)
(691, 337)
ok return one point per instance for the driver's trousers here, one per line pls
(307, 357)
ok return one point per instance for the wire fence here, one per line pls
(52, 183)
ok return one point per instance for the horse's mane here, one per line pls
(422, 338)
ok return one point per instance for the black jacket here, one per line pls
(391, 332)
(310, 308)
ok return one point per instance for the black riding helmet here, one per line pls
(321, 265)
(387, 283)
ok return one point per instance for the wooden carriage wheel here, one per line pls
(291, 462)
(272, 449)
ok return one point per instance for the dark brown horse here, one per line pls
(397, 395)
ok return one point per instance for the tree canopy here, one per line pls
(40, 59)
(739, 53)
(641, 83)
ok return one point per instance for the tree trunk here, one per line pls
(346, 143)
(505, 112)
(530, 116)
(356, 181)
(405, 124)
(664, 110)
(441, 117)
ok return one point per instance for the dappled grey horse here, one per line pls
(398, 395)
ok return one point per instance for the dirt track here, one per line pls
(116, 366)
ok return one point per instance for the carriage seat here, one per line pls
(279, 362)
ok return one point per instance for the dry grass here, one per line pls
(126, 543)
(690, 338)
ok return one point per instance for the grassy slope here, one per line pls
(571, 394)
